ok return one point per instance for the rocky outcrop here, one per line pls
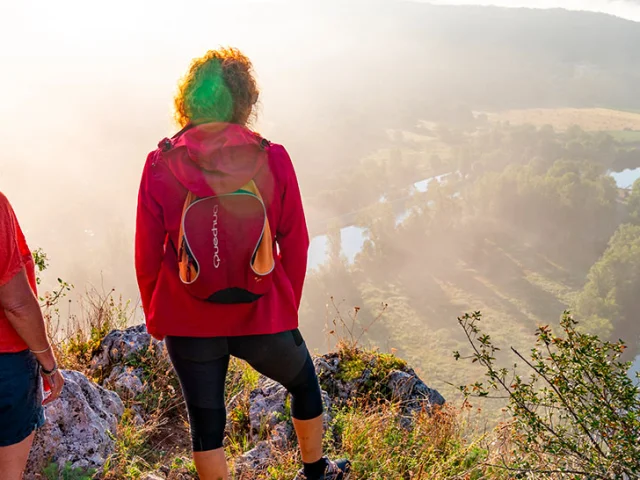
(346, 377)
(120, 345)
(126, 380)
(412, 393)
(256, 459)
(391, 379)
(267, 406)
(396, 382)
(79, 429)
(268, 412)
(117, 351)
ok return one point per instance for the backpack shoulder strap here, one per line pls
(263, 261)
(188, 271)
(166, 143)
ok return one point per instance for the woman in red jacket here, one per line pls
(201, 195)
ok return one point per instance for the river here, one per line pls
(353, 238)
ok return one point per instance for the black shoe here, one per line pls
(337, 470)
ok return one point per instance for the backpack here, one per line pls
(225, 249)
(225, 245)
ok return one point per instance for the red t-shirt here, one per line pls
(14, 255)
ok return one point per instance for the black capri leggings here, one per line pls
(202, 363)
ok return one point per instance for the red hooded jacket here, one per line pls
(214, 159)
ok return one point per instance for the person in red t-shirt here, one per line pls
(25, 353)
(217, 158)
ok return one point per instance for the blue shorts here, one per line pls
(21, 410)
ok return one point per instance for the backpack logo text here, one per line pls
(214, 230)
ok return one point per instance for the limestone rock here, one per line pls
(113, 360)
(127, 381)
(255, 460)
(423, 393)
(78, 428)
(327, 369)
(412, 393)
(401, 384)
(267, 406)
(281, 435)
(404, 385)
(119, 345)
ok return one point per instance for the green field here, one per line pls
(589, 119)
(626, 136)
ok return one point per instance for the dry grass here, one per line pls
(434, 448)
(380, 448)
(369, 432)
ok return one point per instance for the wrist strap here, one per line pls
(48, 373)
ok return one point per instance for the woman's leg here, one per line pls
(211, 465)
(21, 411)
(309, 425)
(307, 411)
(201, 365)
(284, 358)
(13, 459)
(310, 433)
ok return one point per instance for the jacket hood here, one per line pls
(215, 158)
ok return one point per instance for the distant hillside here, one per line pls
(390, 64)
(337, 79)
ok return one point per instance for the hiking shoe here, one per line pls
(337, 470)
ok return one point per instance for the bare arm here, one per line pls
(23, 312)
(18, 300)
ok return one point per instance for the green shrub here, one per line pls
(577, 412)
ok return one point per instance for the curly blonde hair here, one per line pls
(219, 87)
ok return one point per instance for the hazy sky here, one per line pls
(629, 9)
(87, 92)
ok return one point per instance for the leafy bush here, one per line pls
(577, 413)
